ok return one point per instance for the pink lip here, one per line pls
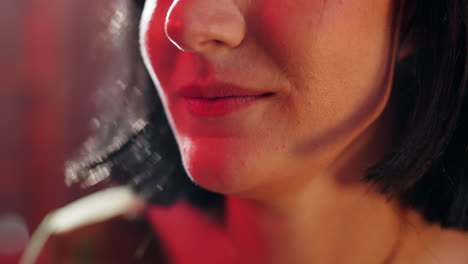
(219, 99)
(220, 106)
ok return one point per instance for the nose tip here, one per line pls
(203, 25)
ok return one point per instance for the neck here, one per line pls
(356, 226)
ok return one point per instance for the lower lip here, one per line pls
(221, 106)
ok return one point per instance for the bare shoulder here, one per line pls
(427, 243)
(452, 246)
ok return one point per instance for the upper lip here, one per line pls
(219, 90)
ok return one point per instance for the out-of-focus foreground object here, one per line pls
(54, 57)
(97, 207)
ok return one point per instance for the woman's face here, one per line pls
(263, 93)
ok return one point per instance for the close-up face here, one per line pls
(263, 92)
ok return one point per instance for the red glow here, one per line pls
(190, 237)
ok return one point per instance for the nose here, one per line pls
(204, 25)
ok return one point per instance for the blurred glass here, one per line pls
(61, 62)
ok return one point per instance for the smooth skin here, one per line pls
(290, 165)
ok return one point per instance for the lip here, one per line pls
(219, 99)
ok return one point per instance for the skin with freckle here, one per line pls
(326, 63)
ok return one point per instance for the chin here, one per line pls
(218, 165)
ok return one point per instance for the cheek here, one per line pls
(158, 51)
(352, 58)
(337, 59)
(272, 26)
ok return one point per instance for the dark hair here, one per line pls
(427, 171)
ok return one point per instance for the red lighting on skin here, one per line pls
(219, 99)
(219, 106)
(189, 237)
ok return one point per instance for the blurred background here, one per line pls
(54, 56)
